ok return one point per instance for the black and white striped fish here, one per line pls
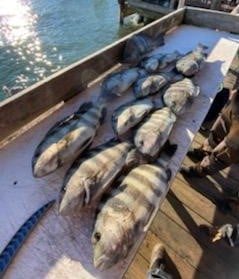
(138, 45)
(117, 83)
(180, 95)
(90, 176)
(158, 62)
(129, 115)
(128, 213)
(191, 63)
(9, 252)
(152, 84)
(67, 139)
(154, 132)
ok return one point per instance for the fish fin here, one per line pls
(177, 77)
(157, 104)
(84, 154)
(153, 213)
(58, 124)
(133, 159)
(166, 154)
(178, 54)
(141, 73)
(159, 39)
(87, 194)
(84, 108)
(197, 91)
(201, 46)
(168, 173)
(103, 116)
(170, 148)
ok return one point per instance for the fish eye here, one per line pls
(97, 236)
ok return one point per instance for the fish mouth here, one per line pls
(102, 263)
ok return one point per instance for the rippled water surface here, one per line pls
(39, 37)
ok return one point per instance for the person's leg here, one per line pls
(157, 264)
(219, 159)
(218, 132)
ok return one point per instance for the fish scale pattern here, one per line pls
(20, 236)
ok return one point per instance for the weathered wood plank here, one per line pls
(190, 249)
(177, 266)
(138, 269)
(212, 19)
(20, 109)
(205, 208)
(191, 222)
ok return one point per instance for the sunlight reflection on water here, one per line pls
(37, 38)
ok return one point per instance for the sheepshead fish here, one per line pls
(138, 45)
(130, 114)
(117, 83)
(158, 62)
(180, 95)
(128, 212)
(154, 132)
(192, 62)
(152, 84)
(67, 139)
(91, 175)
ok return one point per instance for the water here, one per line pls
(37, 38)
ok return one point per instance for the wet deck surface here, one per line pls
(190, 204)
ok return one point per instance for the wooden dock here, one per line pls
(154, 10)
(190, 253)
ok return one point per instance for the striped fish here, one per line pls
(152, 84)
(130, 114)
(191, 63)
(127, 213)
(180, 95)
(67, 139)
(154, 132)
(158, 62)
(117, 83)
(9, 252)
(138, 45)
(91, 175)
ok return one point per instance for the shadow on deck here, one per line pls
(190, 252)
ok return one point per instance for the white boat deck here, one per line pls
(61, 248)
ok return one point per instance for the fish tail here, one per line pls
(105, 96)
(173, 76)
(168, 151)
(159, 40)
(20, 236)
(202, 48)
(84, 107)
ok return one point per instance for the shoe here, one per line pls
(190, 172)
(157, 257)
(196, 154)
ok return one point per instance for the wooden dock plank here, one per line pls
(191, 222)
(138, 269)
(175, 264)
(198, 202)
(189, 249)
